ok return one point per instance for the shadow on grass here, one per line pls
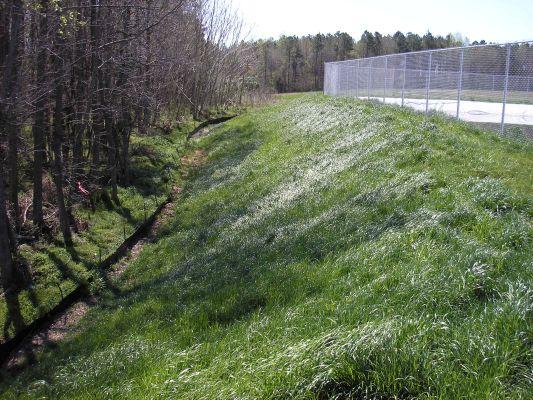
(14, 316)
(66, 272)
(15, 319)
(126, 214)
(204, 274)
(147, 177)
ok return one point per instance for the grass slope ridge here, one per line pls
(329, 248)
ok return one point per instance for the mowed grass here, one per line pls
(328, 249)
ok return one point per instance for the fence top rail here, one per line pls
(440, 72)
(433, 51)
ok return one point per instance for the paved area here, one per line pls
(473, 111)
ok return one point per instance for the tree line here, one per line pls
(293, 63)
(79, 76)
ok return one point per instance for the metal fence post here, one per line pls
(505, 86)
(337, 84)
(393, 80)
(428, 83)
(357, 79)
(403, 84)
(326, 78)
(385, 78)
(460, 83)
(369, 78)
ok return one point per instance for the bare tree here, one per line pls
(95, 72)
(39, 125)
(11, 89)
(58, 136)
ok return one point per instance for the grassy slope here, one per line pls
(329, 247)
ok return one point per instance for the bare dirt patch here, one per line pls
(195, 159)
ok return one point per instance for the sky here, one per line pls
(491, 20)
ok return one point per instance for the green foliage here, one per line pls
(330, 248)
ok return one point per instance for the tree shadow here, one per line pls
(126, 214)
(72, 252)
(64, 269)
(15, 320)
(25, 277)
(144, 174)
(14, 316)
(235, 259)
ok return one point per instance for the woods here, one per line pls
(78, 78)
(293, 63)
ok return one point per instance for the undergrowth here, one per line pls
(53, 271)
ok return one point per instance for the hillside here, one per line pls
(328, 248)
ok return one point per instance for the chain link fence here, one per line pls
(490, 85)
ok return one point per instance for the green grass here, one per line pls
(329, 248)
(55, 271)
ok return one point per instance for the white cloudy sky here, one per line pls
(492, 20)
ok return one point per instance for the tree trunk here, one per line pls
(77, 150)
(39, 123)
(11, 90)
(58, 173)
(79, 102)
(111, 133)
(6, 247)
(125, 125)
(7, 264)
(57, 138)
(4, 33)
(13, 132)
(96, 128)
